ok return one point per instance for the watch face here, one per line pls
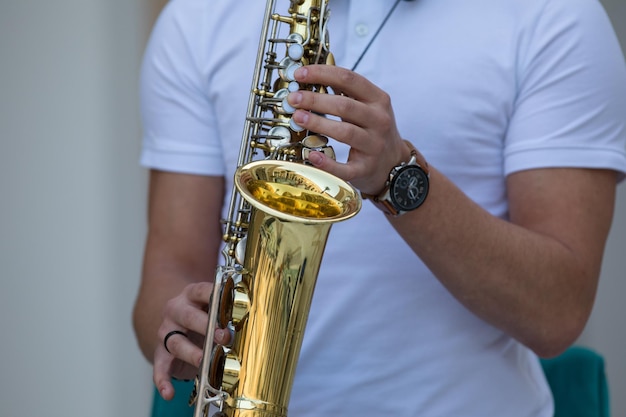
(408, 188)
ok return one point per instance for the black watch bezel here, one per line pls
(398, 189)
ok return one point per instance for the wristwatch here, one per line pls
(407, 186)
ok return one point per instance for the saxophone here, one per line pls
(280, 214)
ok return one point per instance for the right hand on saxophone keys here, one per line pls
(179, 358)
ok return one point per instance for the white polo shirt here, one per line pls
(483, 88)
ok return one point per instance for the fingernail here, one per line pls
(301, 117)
(315, 158)
(301, 73)
(295, 98)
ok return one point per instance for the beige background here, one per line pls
(72, 203)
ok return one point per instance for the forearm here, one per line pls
(164, 276)
(530, 282)
(181, 247)
(523, 283)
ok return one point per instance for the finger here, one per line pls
(199, 292)
(182, 348)
(223, 337)
(160, 374)
(190, 317)
(346, 108)
(350, 134)
(186, 312)
(340, 79)
(177, 344)
(347, 171)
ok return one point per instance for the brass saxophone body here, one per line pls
(280, 214)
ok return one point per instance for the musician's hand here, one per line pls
(367, 125)
(186, 313)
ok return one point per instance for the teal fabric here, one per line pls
(578, 382)
(178, 406)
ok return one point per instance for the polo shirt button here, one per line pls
(362, 29)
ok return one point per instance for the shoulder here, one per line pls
(200, 21)
(571, 98)
(185, 21)
(576, 19)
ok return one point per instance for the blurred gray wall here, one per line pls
(72, 204)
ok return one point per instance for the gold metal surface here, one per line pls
(282, 263)
(283, 254)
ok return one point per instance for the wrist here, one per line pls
(406, 187)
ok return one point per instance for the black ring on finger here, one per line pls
(170, 334)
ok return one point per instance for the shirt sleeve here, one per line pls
(571, 105)
(179, 124)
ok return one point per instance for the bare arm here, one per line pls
(534, 277)
(181, 249)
